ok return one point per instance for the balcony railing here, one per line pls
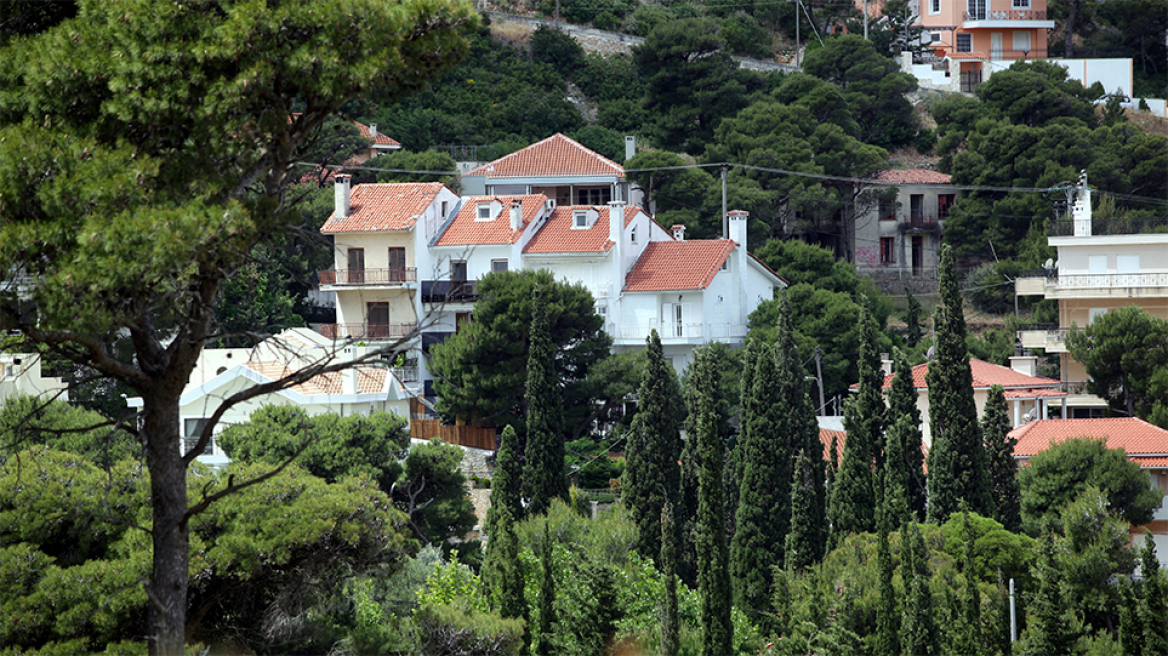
(1009, 15)
(1127, 226)
(367, 331)
(368, 276)
(920, 224)
(1039, 273)
(670, 331)
(1112, 280)
(450, 291)
(406, 374)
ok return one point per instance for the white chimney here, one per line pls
(1081, 212)
(516, 214)
(737, 221)
(341, 208)
(678, 231)
(373, 130)
(616, 228)
(885, 364)
(349, 381)
(1024, 364)
(630, 147)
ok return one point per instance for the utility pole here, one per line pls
(725, 221)
(819, 376)
(865, 20)
(798, 6)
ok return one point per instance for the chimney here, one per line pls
(349, 381)
(341, 208)
(616, 228)
(1081, 211)
(373, 130)
(1024, 364)
(516, 214)
(630, 147)
(678, 231)
(885, 364)
(737, 221)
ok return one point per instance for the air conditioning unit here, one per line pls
(551, 204)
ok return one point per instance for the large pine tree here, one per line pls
(958, 467)
(543, 473)
(853, 496)
(654, 446)
(902, 404)
(995, 430)
(507, 481)
(710, 533)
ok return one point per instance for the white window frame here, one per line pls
(483, 212)
(579, 219)
(934, 9)
(498, 265)
(1021, 4)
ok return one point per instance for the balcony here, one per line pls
(368, 277)
(368, 331)
(1020, 18)
(920, 224)
(450, 291)
(1047, 336)
(681, 332)
(1052, 284)
(1101, 227)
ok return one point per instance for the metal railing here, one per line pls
(368, 276)
(367, 331)
(406, 374)
(1126, 226)
(1010, 15)
(1039, 273)
(1025, 327)
(450, 291)
(920, 224)
(1111, 280)
(666, 331)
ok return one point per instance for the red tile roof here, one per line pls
(380, 139)
(825, 435)
(559, 235)
(676, 265)
(1135, 436)
(555, 156)
(911, 176)
(465, 230)
(370, 380)
(986, 375)
(384, 206)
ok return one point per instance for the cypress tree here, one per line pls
(918, 634)
(958, 467)
(547, 596)
(1131, 626)
(502, 572)
(710, 533)
(912, 317)
(543, 474)
(670, 624)
(506, 482)
(1049, 628)
(968, 629)
(853, 497)
(995, 430)
(902, 403)
(896, 476)
(1153, 614)
(764, 458)
(887, 613)
(807, 539)
(654, 447)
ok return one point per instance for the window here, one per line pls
(458, 270)
(484, 210)
(580, 219)
(192, 429)
(888, 250)
(1126, 264)
(964, 43)
(1021, 38)
(726, 264)
(944, 202)
(593, 196)
(397, 263)
(916, 207)
(1097, 264)
(498, 265)
(935, 37)
(356, 265)
(633, 235)
(377, 320)
(443, 211)
(887, 209)
(461, 319)
(935, 8)
(1021, 4)
(1095, 313)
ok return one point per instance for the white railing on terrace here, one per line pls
(684, 331)
(1101, 280)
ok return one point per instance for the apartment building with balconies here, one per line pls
(1101, 265)
(898, 233)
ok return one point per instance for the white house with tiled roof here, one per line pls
(382, 143)
(1145, 444)
(220, 373)
(557, 167)
(897, 231)
(1029, 396)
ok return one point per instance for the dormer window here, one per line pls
(484, 212)
(580, 219)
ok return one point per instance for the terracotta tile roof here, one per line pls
(555, 156)
(985, 375)
(911, 176)
(370, 380)
(825, 435)
(1135, 436)
(384, 206)
(380, 139)
(559, 235)
(968, 55)
(1034, 393)
(670, 265)
(465, 230)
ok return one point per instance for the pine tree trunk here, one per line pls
(167, 590)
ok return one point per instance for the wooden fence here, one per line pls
(421, 428)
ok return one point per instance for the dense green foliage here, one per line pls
(904, 416)
(854, 494)
(543, 458)
(1125, 353)
(507, 480)
(995, 429)
(28, 421)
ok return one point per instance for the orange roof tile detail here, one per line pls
(911, 176)
(380, 139)
(825, 435)
(559, 234)
(370, 380)
(384, 206)
(465, 230)
(670, 265)
(985, 375)
(555, 156)
(1135, 436)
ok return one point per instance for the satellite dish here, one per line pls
(1048, 264)
(931, 353)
